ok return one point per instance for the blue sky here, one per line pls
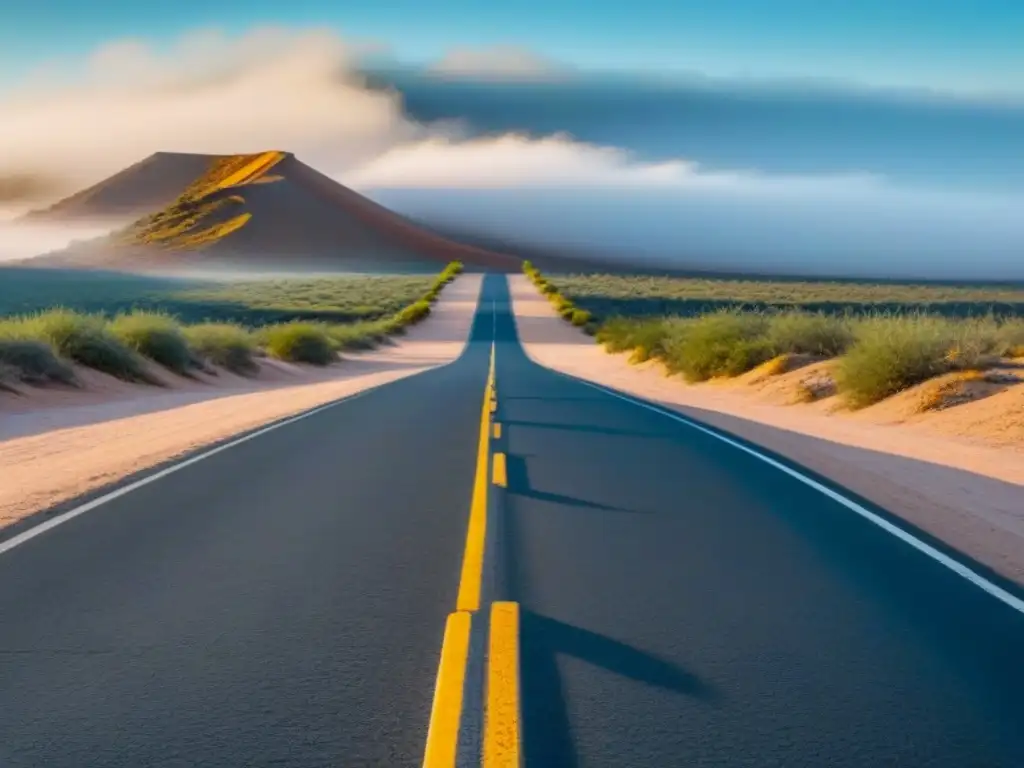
(963, 45)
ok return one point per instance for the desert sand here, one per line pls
(56, 445)
(956, 473)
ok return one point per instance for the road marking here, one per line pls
(927, 549)
(473, 558)
(500, 470)
(497, 430)
(53, 522)
(501, 721)
(446, 713)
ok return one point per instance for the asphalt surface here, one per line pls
(685, 604)
(282, 603)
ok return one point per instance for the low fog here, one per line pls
(301, 92)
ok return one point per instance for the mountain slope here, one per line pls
(141, 188)
(266, 210)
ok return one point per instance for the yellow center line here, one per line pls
(446, 714)
(473, 557)
(500, 470)
(497, 430)
(501, 720)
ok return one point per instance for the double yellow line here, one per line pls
(501, 742)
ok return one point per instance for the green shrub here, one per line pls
(356, 336)
(83, 339)
(156, 336)
(414, 313)
(299, 342)
(580, 317)
(560, 302)
(808, 333)
(644, 336)
(1010, 338)
(34, 362)
(720, 344)
(224, 344)
(890, 354)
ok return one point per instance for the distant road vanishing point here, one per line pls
(530, 569)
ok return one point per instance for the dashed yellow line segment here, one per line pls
(501, 722)
(446, 712)
(501, 738)
(500, 470)
(473, 557)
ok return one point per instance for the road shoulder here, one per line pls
(57, 454)
(965, 494)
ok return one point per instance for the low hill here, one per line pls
(139, 189)
(266, 210)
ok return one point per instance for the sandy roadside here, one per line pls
(963, 488)
(55, 446)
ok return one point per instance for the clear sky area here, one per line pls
(963, 45)
(877, 136)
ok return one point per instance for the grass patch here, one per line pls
(359, 336)
(156, 336)
(33, 362)
(1010, 338)
(607, 295)
(253, 303)
(807, 333)
(644, 336)
(223, 344)
(720, 344)
(298, 342)
(84, 339)
(890, 354)
(36, 347)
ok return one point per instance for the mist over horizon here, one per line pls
(710, 176)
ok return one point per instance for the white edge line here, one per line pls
(31, 533)
(954, 565)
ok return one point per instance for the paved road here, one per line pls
(282, 603)
(685, 604)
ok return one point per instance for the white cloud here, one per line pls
(560, 162)
(276, 89)
(501, 62)
(72, 125)
(208, 93)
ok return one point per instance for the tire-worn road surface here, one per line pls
(282, 603)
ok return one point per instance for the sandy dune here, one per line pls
(57, 445)
(957, 474)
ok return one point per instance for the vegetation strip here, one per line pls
(502, 719)
(38, 349)
(446, 713)
(870, 355)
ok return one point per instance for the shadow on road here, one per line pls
(519, 485)
(547, 731)
(589, 428)
(595, 399)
